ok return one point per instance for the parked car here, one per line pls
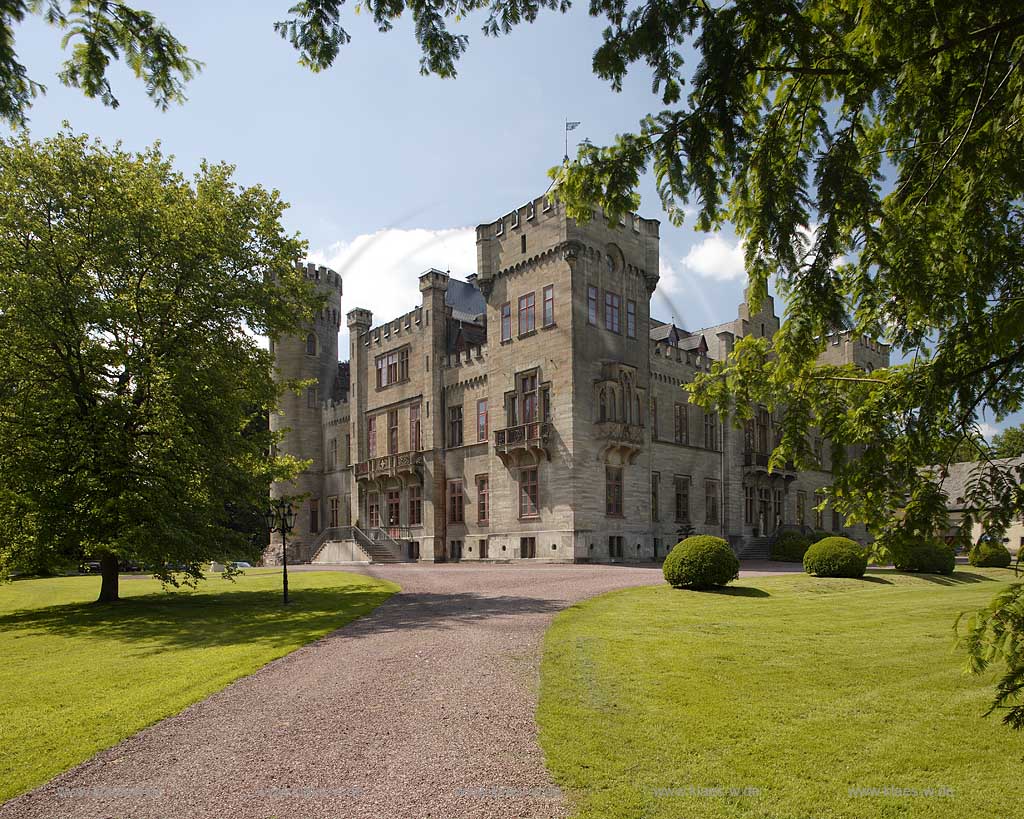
(241, 564)
(90, 567)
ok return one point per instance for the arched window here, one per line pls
(613, 401)
(602, 405)
(311, 344)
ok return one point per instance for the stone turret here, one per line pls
(312, 354)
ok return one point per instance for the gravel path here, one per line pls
(422, 709)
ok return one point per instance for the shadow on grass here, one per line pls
(738, 591)
(159, 621)
(956, 579)
(868, 578)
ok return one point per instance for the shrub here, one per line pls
(700, 562)
(926, 556)
(790, 546)
(836, 557)
(989, 554)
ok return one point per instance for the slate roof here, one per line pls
(465, 299)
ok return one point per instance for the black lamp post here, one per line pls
(280, 517)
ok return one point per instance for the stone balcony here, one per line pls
(525, 439)
(757, 462)
(402, 464)
(624, 438)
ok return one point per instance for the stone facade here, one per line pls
(532, 412)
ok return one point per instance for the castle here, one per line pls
(533, 411)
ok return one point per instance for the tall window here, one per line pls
(483, 498)
(591, 305)
(481, 419)
(392, 367)
(630, 318)
(415, 505)
(371, 436)
(394, 501)
(837, 520)
(529, 498)
(332, 506)
(613, 491)
(801, 508)
(819, 513)
(655, 487)
(332, 453)
(454, 426)
(347, 452)
(373, 509)
(710, 431)
(654, 419)
(506, 321)
(549, 306)
(414, 428)
(681, 426)
(749, 505)
(311, 344)
(612, 305)
(527, 313)
(682, 499)
(392, 432)
(314, 516)
(710, 501)
(777, 508)
(528, 396)
(403, 364)
(456, 502)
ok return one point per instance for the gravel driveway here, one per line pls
(422, 709)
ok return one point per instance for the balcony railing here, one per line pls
(620, 432)
(387, 466)
(524, 436)
(759, 461)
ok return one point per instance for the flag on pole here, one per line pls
(569, 126)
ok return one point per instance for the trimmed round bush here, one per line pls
(836, 557)
(991, 555)
(790, 547)
(925, 556)
(700, 562)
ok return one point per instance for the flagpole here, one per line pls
(566, 159)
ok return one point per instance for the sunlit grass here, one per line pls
(774, 699)
(77, 677)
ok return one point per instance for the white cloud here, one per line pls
(716, 258)
(988, 430)
(380, 271)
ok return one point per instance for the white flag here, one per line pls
(569, 126)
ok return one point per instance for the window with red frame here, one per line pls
(527, 313)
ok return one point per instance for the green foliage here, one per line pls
(99, 32)
(994, 636)
(790, 547)
(1009, 443)
(133, 401)
(700, 562)
(836, 557)
(923, 555)
(989, 554)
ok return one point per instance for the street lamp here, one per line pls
(280, 517)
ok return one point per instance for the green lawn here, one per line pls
(76, 677)
(775, 699)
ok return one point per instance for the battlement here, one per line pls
(470, 357)
(407, 324)
(667, 353)
(323, 276)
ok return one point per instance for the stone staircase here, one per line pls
(756, 548)
(380, 547)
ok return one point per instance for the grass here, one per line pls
(775, 698)
(78, 677)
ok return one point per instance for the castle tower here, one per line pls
(312, 354)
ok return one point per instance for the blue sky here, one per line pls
(388, 172)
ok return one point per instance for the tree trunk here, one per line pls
(108, 570)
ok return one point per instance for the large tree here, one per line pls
(132, 398)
